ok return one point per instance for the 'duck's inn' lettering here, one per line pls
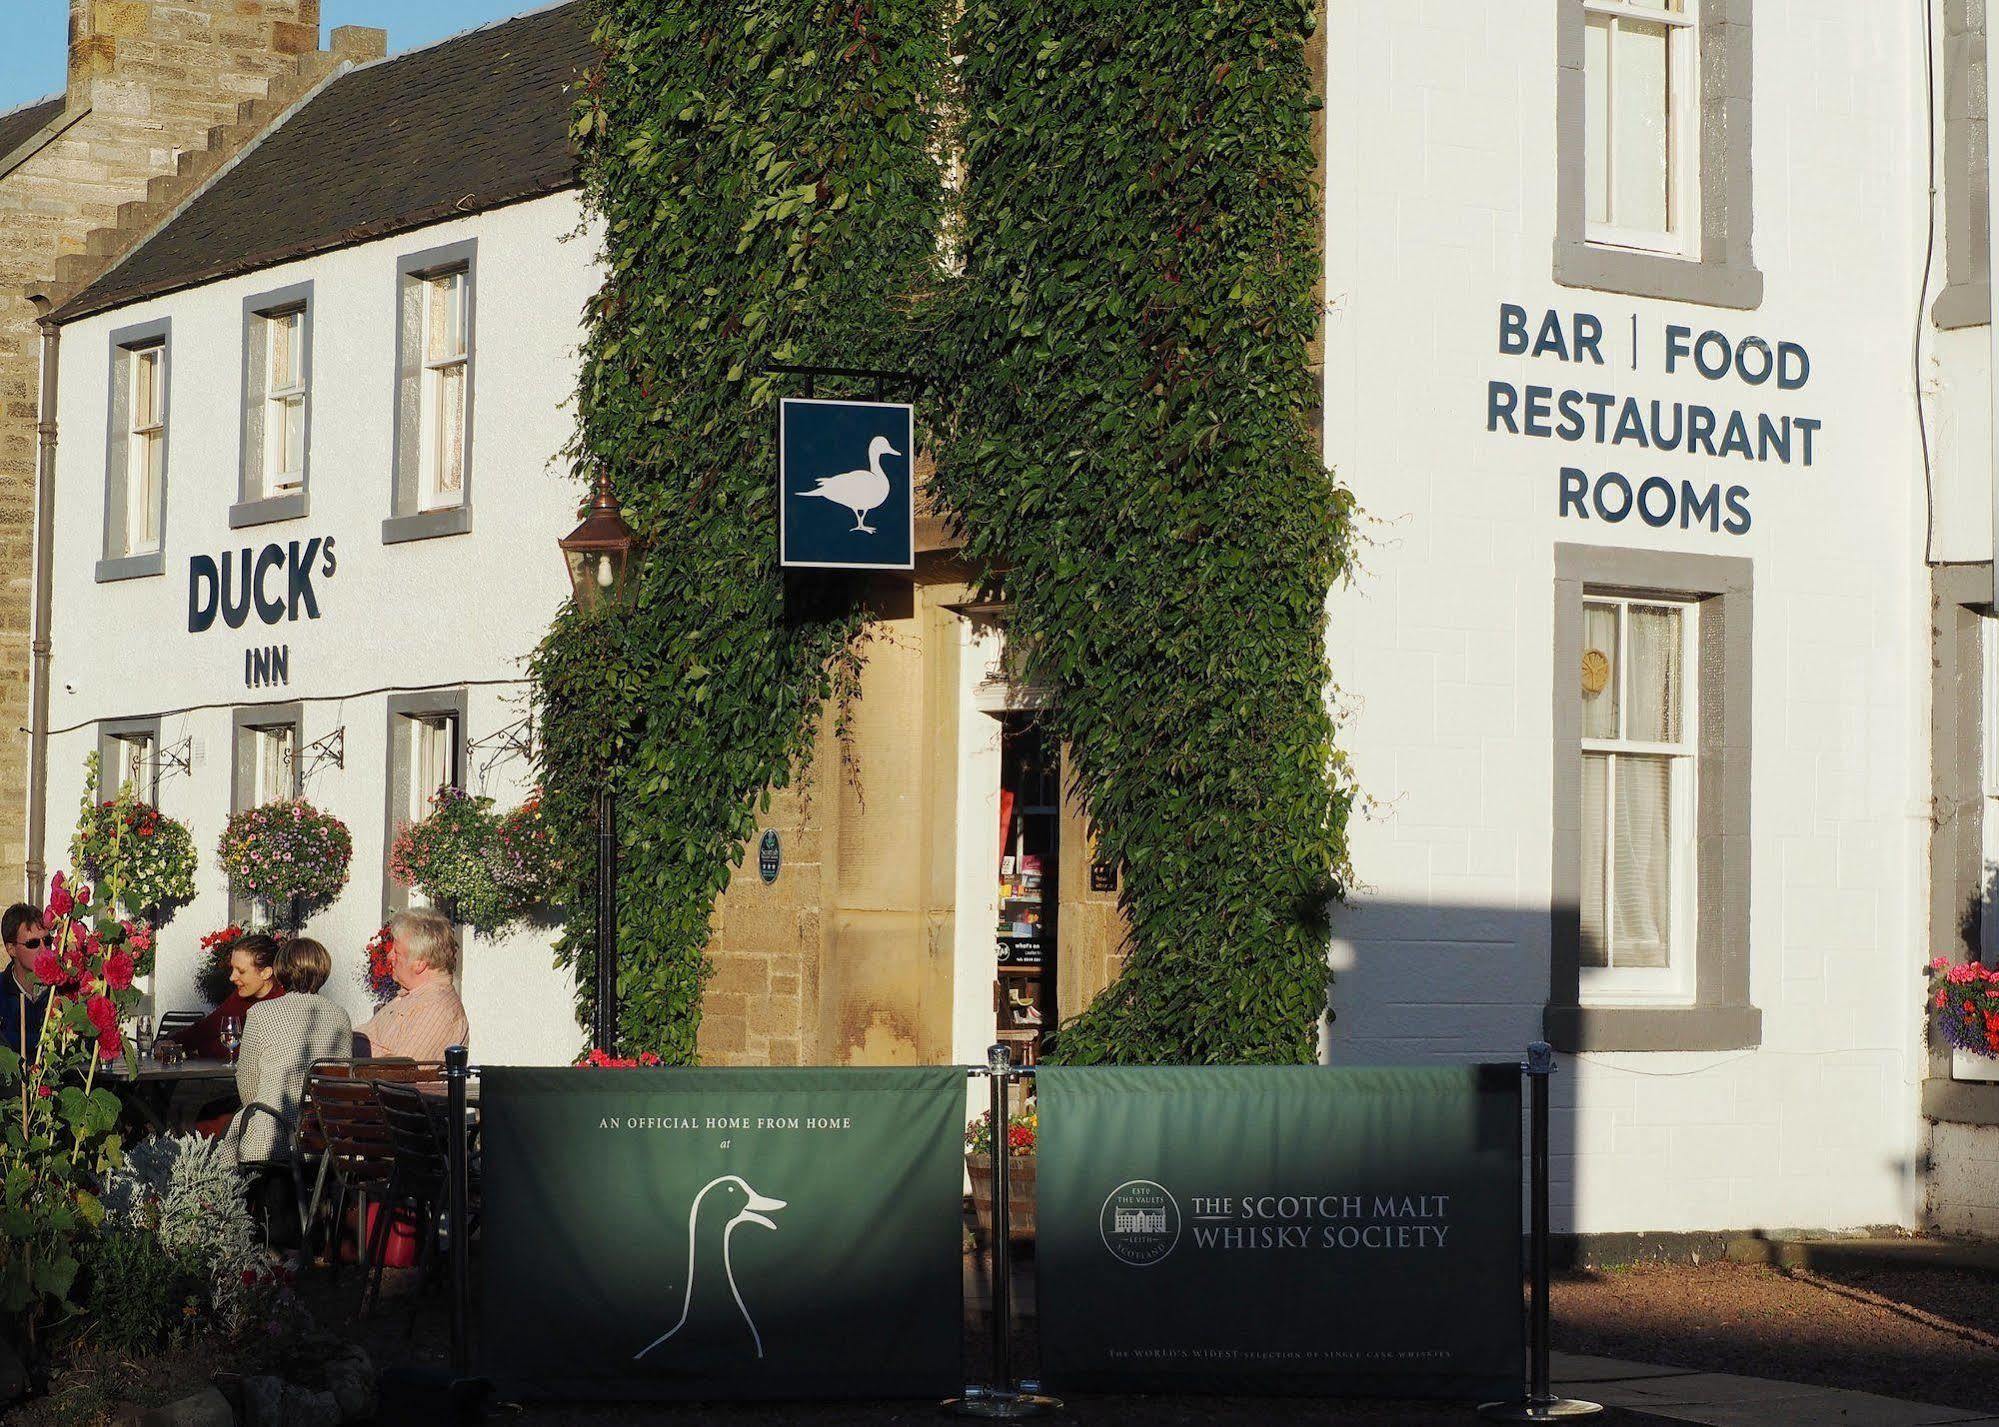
(275, 582)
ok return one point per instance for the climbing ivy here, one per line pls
(1136, 447)
(1124, 404)
(762, 172)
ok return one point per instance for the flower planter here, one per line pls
(1020, 1197)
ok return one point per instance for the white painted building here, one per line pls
(367, 433)
(1714, 898)
(1668, 730)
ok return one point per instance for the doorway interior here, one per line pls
(1025, 944)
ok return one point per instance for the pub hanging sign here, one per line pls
(845, 490)
(275, 583)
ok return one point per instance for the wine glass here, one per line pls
(142, 1036)
(232, 1037)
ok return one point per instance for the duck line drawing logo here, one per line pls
(860, 490)
(712, 1319)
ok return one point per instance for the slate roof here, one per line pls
(469, 123)
(17, 126)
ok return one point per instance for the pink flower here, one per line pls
(138, 936)
(1962, 975)
(118, 969)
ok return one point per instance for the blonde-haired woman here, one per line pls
(282, 1037)
(426, 1015)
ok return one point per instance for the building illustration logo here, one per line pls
(713, 1317)
(1139, 1223)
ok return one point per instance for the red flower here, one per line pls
(83, 895)
(110, 1043)
(48, 970)
(59, 899)
(249, 1278)
(103, 1013)
(138, 936)
(118, 971)
(43, 1092)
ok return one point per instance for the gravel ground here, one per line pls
(1924, 1334)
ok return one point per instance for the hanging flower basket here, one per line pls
(287, 855)
(376, 977)
(136, 853)
(526, 863)
(489, 870)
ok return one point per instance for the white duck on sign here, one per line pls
(704, 1305)
(859, 491)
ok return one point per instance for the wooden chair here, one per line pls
(341, 1131)
(419, 1171)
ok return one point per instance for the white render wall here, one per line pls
(459, 610)
(1441, 183)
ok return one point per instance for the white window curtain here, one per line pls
(1637, 788)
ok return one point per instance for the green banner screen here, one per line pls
(1280, 1229)
(722, 1233)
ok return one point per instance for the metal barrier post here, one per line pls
(1004, 1399)
(1540, 1404)
(456, 1076)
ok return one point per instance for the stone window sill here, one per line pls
(1705, 1028)
(1961, 1102)
(1962, 304)
(131, 567)
(292, 505)
(427, 525)
(1638, 274)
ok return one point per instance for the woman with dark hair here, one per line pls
(281, 1040)
(253, 977)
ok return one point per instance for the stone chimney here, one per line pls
(358, 44)
(156, 58)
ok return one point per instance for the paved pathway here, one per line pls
(1725, 1400)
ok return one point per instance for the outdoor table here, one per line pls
(150, 1092)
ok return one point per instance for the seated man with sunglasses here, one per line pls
(24, 998)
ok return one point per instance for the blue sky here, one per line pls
(33, 58)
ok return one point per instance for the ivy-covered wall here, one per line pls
(1136, 448)
(1119, 390)
(762, 171)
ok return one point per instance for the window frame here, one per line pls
(404, 711)
(437, 369)
(1721, 1015)
(111, 733)
(1613, 985)
(257, 503)
(247, 723)
(1681, 236)
(1966, 298)
(1715, 266)
(118, 561)
(412, 514)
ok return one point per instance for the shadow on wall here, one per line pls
(1419, 982)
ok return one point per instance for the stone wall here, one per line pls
(854, 955)
(147, 82)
